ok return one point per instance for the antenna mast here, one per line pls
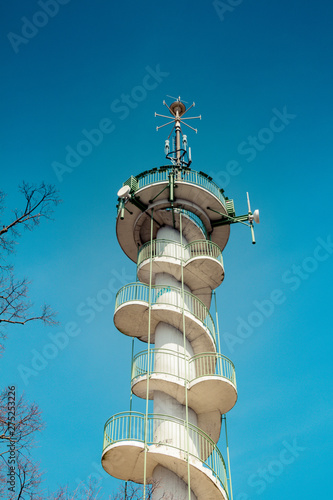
(178, 109)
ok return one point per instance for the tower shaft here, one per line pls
(168, 222)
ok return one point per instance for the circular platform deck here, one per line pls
(131, 315)
(194, 194)
(123, 454)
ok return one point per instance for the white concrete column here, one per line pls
(167, 337)
(170, 355)
(168, 486)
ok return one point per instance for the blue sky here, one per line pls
(256, 61)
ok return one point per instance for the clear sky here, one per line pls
(261, 75)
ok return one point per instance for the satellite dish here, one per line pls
(256, 216)
(124, 192)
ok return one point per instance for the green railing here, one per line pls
(190, 215)
(169, 431)
(169, 248)
(189, 177)
(168, 362)
(168, 295)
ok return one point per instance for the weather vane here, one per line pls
(178, 109)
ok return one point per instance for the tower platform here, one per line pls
(123, 452)
(131, 315)
(200, 264)
(211, 383)
(194, 193)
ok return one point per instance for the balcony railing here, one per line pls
(167, 295)
(188, 177)
(169, 248)
(168, 431)
(168, 362)
(190, 215)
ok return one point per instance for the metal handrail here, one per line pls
(184, 253)
(172, 363)
(193, 217)
(169, 431)
(190, 177)
(169, 295)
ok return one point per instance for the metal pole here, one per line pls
(186, 361)
(131, 394)
(228, 457)
(252, 234)
(148, 367)
(177, 132)
(218, 333)
(131, 402)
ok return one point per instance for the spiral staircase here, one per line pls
(174, 223)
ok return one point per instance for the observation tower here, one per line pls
(174, 223)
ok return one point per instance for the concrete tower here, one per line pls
(174, 222)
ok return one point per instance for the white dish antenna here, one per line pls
(255, 216)
(124, 192)
(124, 195)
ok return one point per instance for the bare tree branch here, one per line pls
(92, 492)
(39, 203)
(128, 491)
(27, 423)
(29, 479)
(14, 306)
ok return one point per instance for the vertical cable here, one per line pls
(228, 457)
(148, 367)
(186, 361)
(218, 332)
(131, 393)
(130, 407)
(137, 260)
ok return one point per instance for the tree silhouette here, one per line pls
(21, 434)
(39, 202)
